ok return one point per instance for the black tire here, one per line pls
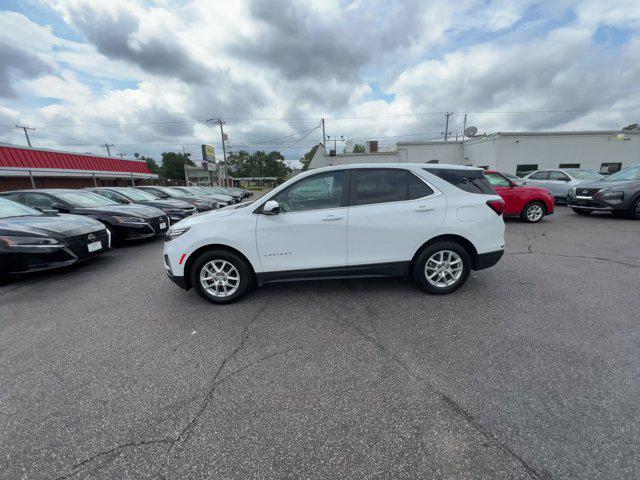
(582, 211)
(420, 276)
(533, 212)
(244, 273)
(634, 212)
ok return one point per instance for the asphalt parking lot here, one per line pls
(531, 370)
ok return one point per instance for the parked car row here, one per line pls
(49, 228)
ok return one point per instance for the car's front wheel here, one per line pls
(220, 276)
(442, 268)
(533, 212)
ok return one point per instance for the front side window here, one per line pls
(610, 167)
(497, 180)
(315, 193)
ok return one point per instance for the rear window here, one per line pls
(471, 181)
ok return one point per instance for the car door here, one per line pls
(391, 213)
(310, 232)
(558, 183)
(510, 195)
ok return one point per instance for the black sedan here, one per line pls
(31, 240)
(201, 204)
(175, 209)
(618, 193)
(125, 222)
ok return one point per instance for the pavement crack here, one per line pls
(186, 432)
(142, 443)
(450, 402)
(590, 257)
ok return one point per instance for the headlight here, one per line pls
(12, 241)
(612, 194)
(129, 220)
(174, 233)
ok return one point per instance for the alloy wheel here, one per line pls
(534, 212)
(443, 268)
(219, 278)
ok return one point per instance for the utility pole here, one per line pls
(107, 145)
(446, 125)
(324, 137)
(224, 151)
(26, 133)
(121, 155)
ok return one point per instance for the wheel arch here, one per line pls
(448, 237)
(213, 246)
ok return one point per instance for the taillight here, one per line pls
(497, 206)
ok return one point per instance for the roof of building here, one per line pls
(12, 156)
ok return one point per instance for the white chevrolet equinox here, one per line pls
(431, 223)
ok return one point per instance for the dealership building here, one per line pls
(25, 167)
(510, 152)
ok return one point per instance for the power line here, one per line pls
(274, 120)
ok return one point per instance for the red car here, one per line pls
(531, 204)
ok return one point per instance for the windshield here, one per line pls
(83, 200)
(13, 209)
(134, 194)
(584, 174)
(629, 173)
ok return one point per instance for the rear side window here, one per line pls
(386, 185)
(471, 181)
(539, 176)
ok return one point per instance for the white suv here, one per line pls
(432, 223)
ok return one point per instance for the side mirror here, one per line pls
(59, 207)
(271, 208)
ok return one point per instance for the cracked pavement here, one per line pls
(530, 371)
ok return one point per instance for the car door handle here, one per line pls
(424, 208)
(331, 218)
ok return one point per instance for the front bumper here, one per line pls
(73, 250)
(597, 203)
(137, 231)
(486, 260)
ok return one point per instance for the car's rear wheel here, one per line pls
(220, 276)
(442, 267)
(582, 211)
(533, 212)
(635, 209)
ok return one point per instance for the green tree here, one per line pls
(306, 159)
(151, 163)
(358, 148)
(257, 164)
(173, 165)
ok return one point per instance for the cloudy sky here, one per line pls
(145, 76)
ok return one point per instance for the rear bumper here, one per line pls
(486, 260)
(180, 281)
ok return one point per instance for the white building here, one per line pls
(512, 152)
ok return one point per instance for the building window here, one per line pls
(522, 170)
(484, 167)
(609, 168)
(569, 165)
(434, 161)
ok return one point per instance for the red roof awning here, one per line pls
(16, 157)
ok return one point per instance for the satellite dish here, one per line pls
(470, 131)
